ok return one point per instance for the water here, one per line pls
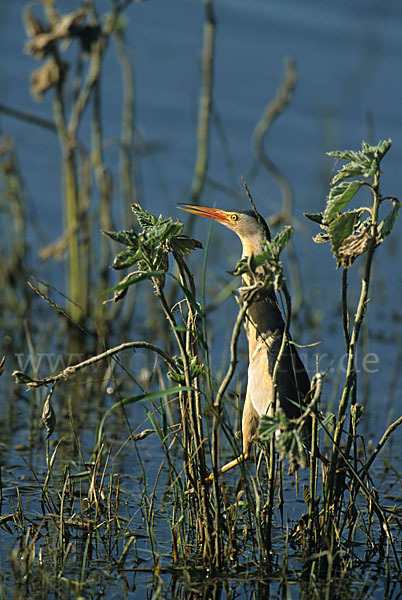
(348, 60)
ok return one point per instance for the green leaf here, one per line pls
(281, 239)
(21, 378)
(376, 152)
(158, 258)
(290, 445)
(383, 147)
(126, 258)
(132, 280)
(195, 369)
(387, 224)
(268, 426)
(316, 217)
(360, 163)
(144, 218)
(339, 197)
(350, 155)
(155, 425)
(342, 227)
(127, 237)
(183, 244)
(364, 162)
(327, 421)
(162, 231)
(269, 257)
(289, 441)
(352, 169)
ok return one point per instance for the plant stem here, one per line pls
(201, 161)
(350, 380)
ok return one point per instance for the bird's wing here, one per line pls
(292, 380)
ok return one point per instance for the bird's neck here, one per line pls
(253, 245)
(264, 313)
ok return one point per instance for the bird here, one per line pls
(265, 327)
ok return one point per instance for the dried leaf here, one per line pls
(142, 435)
(48, 415)
(33, 26)
(49, 74)
(67, 25)
(42, 40)
(306, 495)
(56, 249)
(321, 238)
(40, 46)
(352, 247)
(342, 227)
(120, 293)
(2, 365)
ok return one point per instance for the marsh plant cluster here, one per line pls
(215, 527)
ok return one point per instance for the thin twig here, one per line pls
(381, 444)
(73, 369)
(28, 117)
(204, 116)
(233, 351)
(271, 112)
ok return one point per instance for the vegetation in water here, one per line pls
(181, 526)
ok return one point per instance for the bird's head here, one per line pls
(244, 223)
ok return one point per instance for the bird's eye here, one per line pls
(234, 217)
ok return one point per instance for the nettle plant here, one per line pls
(353, 233)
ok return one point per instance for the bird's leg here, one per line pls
(230, 465)
(249, 427)
(249, 423)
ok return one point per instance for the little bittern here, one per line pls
(265, 327)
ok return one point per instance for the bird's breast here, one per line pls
(260, 380)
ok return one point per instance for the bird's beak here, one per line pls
(211, 213)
